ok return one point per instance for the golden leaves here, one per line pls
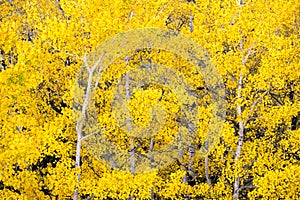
(36, 118)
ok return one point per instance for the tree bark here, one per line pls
(80, 124)
(207, 171)
(240, 139)
(151, 163)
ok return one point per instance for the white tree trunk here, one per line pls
(80, 124)
(236, 184)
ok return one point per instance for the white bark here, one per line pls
(240, 139)
(241, 130)
(236, 183)
(80, 124)
(236, 186)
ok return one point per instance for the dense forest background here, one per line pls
(44, 46)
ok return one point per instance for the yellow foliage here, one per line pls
(253, 44)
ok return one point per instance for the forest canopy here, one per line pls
(56, 144)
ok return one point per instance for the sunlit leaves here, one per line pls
(39, 48)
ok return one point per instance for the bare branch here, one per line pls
(276, 99)
(98, 61)
(86, 136)
(86, 63)
(247, 186)
(255, 104)
(136, 147)
(248, 54)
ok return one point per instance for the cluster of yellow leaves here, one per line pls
(38, 69)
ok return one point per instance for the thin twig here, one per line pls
(247, 186)
(255, 104)
(86, 136)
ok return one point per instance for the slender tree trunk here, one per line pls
(79, 127)
(191, 170)
(132, 149)
(151, 163)
(132, 152)
(241, 130)
(132, 157)
(180, 156)
(190, 174)
(236, 184)
(207, 171)
(80, 124)
(77, 164)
